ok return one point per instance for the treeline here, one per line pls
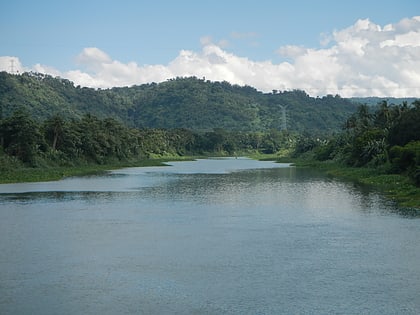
(386, 138)
(65, 142)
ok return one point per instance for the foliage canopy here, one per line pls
(190, 103)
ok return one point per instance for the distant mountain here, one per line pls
(190, 103)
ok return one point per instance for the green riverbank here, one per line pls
(395, 186)
(13, 171)
(50, 173)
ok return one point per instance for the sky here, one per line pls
(350, 48)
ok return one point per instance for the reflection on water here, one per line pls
(215, 236)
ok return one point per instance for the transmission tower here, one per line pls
(283, 117)
(12, 66)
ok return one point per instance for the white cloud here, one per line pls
(407, 39)
(45, 69)
(93, 58)
(364, 59)
(11, 64)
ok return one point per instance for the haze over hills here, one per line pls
(191, 103)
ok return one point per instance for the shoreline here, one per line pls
(394, 186)
(53, 173)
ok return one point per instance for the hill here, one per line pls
(191, 103)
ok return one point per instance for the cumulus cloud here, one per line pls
(364, 59)
(93, 58)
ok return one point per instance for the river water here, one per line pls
(214, 236)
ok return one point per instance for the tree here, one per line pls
(54, 130)
(407, 127)
(21, 137)
(383, 116)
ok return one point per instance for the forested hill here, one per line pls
(190, 103)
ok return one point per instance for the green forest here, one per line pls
(190, 103)
(48, 123)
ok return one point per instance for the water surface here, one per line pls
(215, 236)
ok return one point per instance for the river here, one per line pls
(212, 236)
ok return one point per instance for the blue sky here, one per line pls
(54, 34)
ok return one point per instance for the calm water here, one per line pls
(217, 236)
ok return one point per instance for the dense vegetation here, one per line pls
(190, 103)
(60, 142)
(382, 144)
(388, 138)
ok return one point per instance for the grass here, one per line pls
(15, 172)
(41, 174)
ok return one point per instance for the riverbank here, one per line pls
(13, 171)
(21, 174)
(395, 186)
